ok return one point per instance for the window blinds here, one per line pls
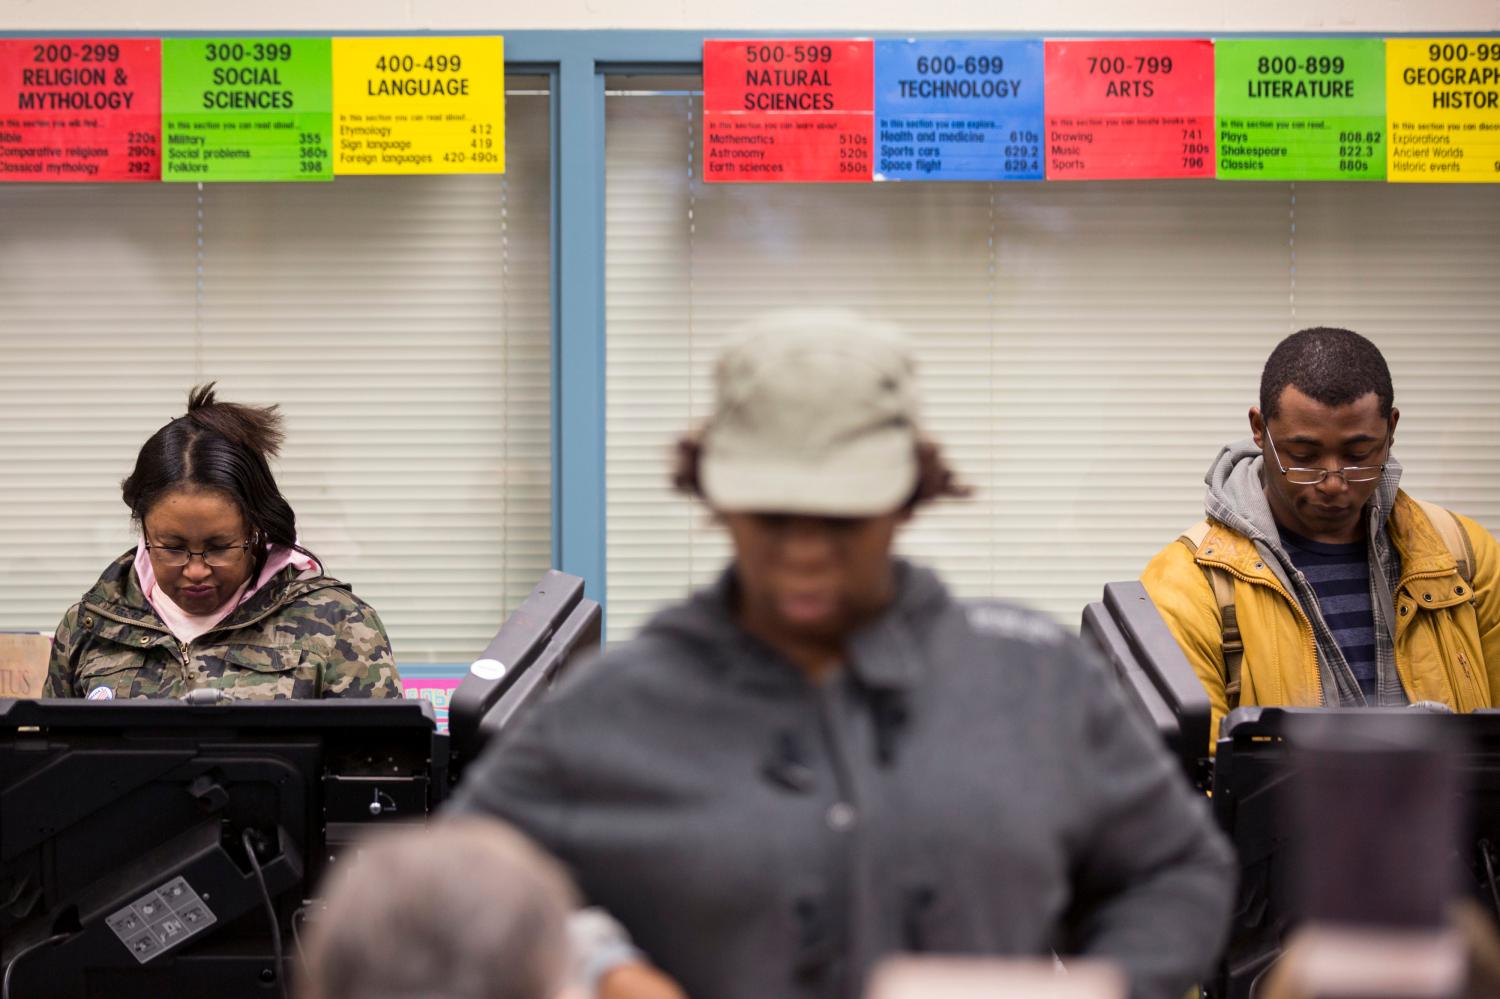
(402, 324)
(1085, 349)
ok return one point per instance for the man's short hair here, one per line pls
(462, 909)
(1330, 365)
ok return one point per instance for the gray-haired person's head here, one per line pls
(461, 909)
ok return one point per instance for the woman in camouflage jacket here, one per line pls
(218, 594)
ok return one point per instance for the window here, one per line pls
(402, 324)
(1085, 348)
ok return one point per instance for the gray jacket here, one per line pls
(1236, 498)
(971, 783)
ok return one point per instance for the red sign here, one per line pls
(80, 109)
(788, 110)
(1125, 109)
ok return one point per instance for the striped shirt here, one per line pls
(1340, 576)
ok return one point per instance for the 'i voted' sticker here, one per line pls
(102, 694)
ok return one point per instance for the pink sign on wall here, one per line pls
(438, 690)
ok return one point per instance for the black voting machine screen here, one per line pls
(127, 831)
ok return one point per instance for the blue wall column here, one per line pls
(578, 322)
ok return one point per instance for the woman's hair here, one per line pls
(935, 478)
(223, 447)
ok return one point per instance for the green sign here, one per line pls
(1300, 108)
(247, 109)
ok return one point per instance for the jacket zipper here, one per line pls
(183, 650)
(844, 817)
(1311, 643)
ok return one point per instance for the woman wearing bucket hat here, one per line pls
(825, 758)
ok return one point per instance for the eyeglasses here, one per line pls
(214, 558)
(1313, 476)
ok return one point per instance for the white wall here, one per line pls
(873, 15)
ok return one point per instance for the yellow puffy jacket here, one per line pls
(1447, 631)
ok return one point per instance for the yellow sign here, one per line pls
(1442, 109)
(418, 105)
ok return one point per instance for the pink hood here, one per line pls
(187, 627)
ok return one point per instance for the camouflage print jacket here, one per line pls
(292, 638)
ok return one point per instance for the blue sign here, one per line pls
(959, 110)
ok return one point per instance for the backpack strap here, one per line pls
(1455, 538)
(1222, 584)
(1193, 536)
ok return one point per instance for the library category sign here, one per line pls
(1443, 109)
(1301, 109)
(419, 105)
(238, 109)
(80, 109)
(1125, 109)
(958, 110)
(788, 110)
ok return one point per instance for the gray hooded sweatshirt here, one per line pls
(971, 782)
(1236, 498)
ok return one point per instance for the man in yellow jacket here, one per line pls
(1315, 580)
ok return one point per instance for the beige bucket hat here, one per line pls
(815, 412)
